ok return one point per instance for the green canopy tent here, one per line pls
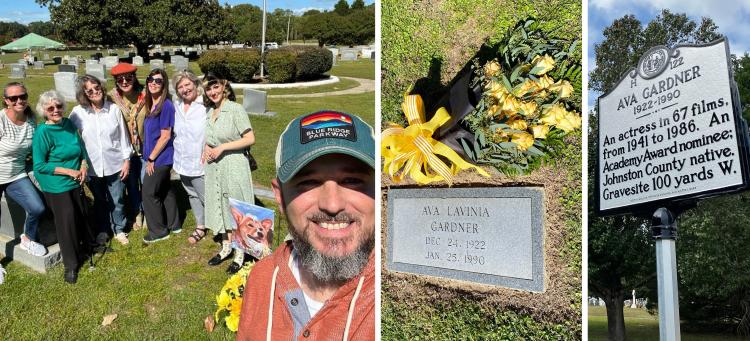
(31, 40)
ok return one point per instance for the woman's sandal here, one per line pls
(197, 235)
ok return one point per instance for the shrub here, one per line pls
(242, 65)
(312, 61)
(280, 64)
(213, 62)
(236, 65)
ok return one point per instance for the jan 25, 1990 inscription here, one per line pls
(487, 235)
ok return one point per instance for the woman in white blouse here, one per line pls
(106, 139)
(189, 130)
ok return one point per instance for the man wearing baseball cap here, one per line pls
(319, 285)
(128, 95)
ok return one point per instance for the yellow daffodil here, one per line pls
(542, 64)
(491, 69)
(223, 299)
(554, 114)
(540, 131)
(522, 140)
(569, 122)
(233, 322)
(517, 123)
(563, 88)
(527, 108)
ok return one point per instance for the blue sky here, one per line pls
(731, 16)
(26, 11)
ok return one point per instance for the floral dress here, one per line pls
(229, 176)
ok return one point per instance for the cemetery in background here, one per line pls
(165, 291)
(423, 50)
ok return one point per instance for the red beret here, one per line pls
(123, 68)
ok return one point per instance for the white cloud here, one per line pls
(300, 11)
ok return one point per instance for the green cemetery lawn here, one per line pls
(361, 68)
(640, 325)
(162, 291)
(342, 84)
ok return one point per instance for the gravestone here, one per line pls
(156, 64)
(111, 61)
(96, 70)
(367, 53)
(65, 84)
(348, 54)
(46, 56)
(66, 68)
(138, 61)
(38, 65)
(12, 218)
(254, 101)
(487, 235)
(179, 63)
(17, 71)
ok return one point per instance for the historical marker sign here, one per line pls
(671, 130)
(484, 235)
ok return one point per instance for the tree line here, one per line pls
(125, 22)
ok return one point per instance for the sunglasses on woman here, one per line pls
(14, 99)
(52, 108)
(124, 78)
(93, 91)
(151, 79)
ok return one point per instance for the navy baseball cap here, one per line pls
(311, 136)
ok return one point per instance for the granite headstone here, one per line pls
(254, 101)
(490, 235)
(65, 84)
(17, 71)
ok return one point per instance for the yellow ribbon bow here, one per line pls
(413, 151)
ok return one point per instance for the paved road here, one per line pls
(365, 85)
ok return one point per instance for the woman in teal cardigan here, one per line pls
(60, 167)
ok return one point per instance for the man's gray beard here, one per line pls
(329, 268)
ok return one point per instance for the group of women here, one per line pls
(126, 143)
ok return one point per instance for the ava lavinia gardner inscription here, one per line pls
(484, 235)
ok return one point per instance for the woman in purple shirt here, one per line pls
(159, 203)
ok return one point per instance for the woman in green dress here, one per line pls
(228, 137)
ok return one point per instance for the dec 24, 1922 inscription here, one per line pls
(484, 235)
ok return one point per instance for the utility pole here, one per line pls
(287, 28)
(263, 41)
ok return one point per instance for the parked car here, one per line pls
(272, 45)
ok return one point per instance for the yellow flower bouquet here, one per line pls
(229, 300)
(531, 99)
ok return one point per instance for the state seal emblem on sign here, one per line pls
(653, 62)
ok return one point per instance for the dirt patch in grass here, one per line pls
(556, 304)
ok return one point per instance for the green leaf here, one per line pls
(534, 151)
(506, 83)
